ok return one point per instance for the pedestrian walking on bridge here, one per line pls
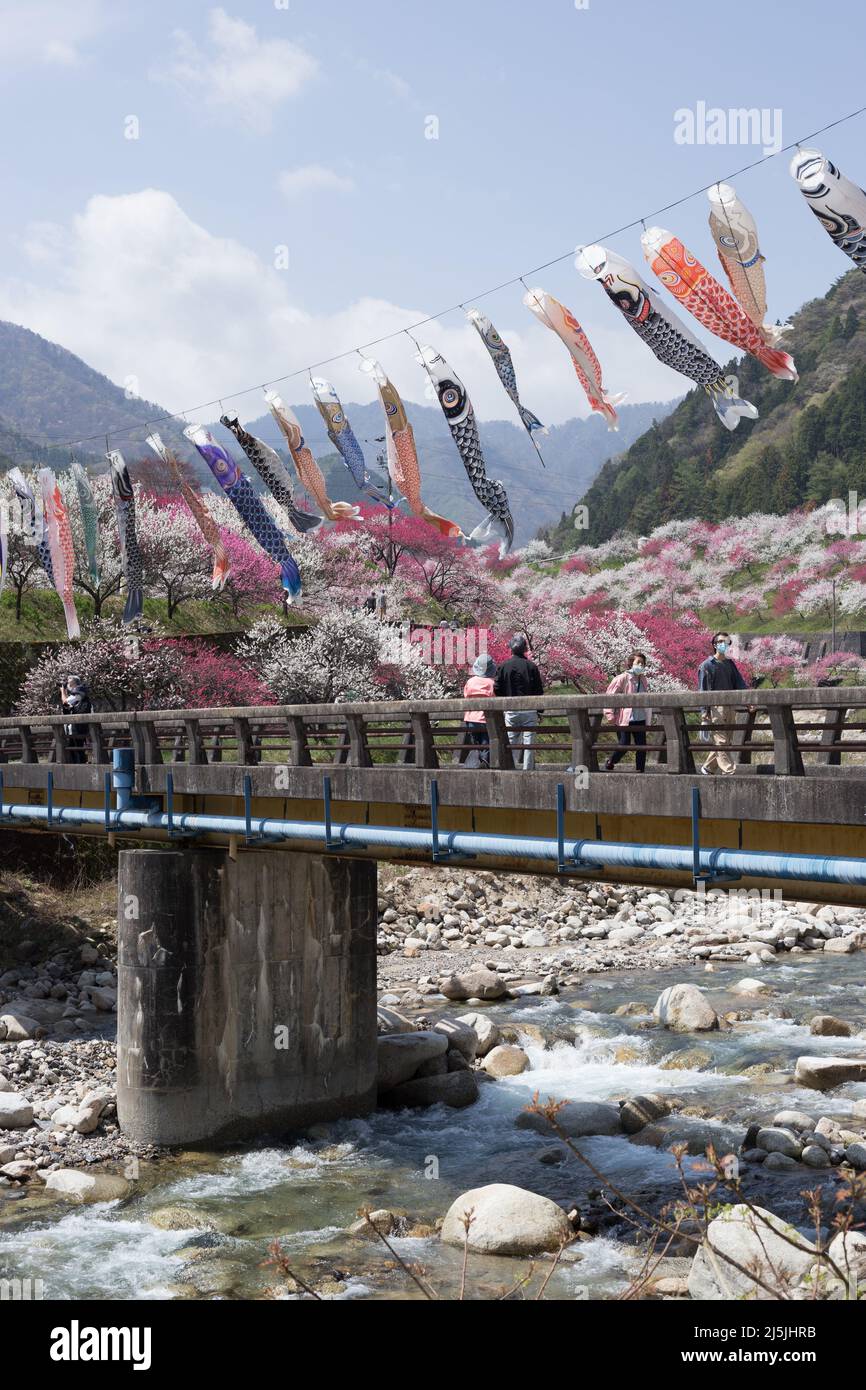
(517, 677)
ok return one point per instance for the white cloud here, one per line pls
(52, 32)
(235, 74)
(312, 178)
(138, 289)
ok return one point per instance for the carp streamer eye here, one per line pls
(450, 397)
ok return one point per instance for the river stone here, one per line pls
(390, 1021)
(85, 1187)
(816, 1156)
(841, 945)
(505, 1060)
(794, 1119)
(688, 1059)
(485, 1029)
(577, 1118)
(18, 1028)
(848, 1250)
(781, 1163)
(751, 986)
(753, 1241)
(684, 1008)
(506, 1220)
(475, 984)
(399, 1055)
(855, 1154)
(455, 1089)
(434, 1066)
(826, 1026)
(460, 1036)
(178, 1218)
(823, 1073)
(634, 1114)
(778, 1141)
(16, 1112)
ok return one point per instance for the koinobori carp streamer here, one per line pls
(735, 233)
(250, 508)
(500, 354)
(61, 548)
(562, 322)
(32, 519)
(457, 409)
(308, 471)
(204, 521)
(273, 473)
(663, 331)
(697, 290)
(838, 204)
(130, 555)
(89, 520)
(343, 437)
(401, 452)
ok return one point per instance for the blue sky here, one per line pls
(263, 125)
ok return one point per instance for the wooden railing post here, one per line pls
(834, 724)
(584, 732)
(60, 743)
(422, 735)
(144, 741)
(745, 722)
(28, 749)
(679, 754)
(299, 746)
(501, 752)
(406, 751)
(787, 759)
(195, 750)
(358, 752)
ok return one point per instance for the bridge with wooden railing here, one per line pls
(225, 935)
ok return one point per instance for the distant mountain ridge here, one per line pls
(48, 395)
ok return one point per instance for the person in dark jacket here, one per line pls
(75, 699)
(719, 672)
(518, 677)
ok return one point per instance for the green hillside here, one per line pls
(808, 445)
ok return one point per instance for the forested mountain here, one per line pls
(48, 395)
(808, 445)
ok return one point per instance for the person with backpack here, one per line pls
(517, 677)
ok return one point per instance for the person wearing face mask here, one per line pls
(631, 724)
(719, 672)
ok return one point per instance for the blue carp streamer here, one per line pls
(250, 508)
(344, 439)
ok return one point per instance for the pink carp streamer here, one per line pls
(60, 548)
(562, 322)
(694, 287)
(221, 563)
(308, 471)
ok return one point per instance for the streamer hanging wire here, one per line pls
(481, 294)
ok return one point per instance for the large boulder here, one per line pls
(505, 1060)
(460, 1036)
(775, 1140)
(634, 1114)
(454, 1088)
(577, 1118)
(390, 1021)
(18, 1028)
(475, 984)
(506, 1220)
(823, 1073)
(757, 1242)
(399, 1055)
(685, 1009)
(16, 1112)
(486, 1032)
(85, 1187)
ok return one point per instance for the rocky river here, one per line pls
(662, 1020)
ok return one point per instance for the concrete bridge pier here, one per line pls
(247, 993)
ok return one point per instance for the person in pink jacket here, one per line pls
(479, 684)
(631, 724)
